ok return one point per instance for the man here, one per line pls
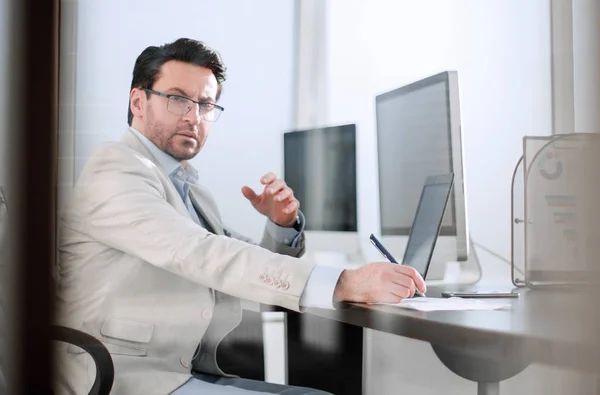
(149, 268)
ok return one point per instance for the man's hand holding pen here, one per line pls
(378, 282)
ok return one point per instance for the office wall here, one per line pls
(256, 42)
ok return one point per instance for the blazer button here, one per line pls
(285, 285)
(184, 363)
(262, 277)
(206, 314)
(277, 284)
(269, 280)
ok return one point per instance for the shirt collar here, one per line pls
(166, 161)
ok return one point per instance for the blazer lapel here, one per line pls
(202, 205)
(199, 198)
(131, 140)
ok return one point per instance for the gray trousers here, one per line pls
(209, 384)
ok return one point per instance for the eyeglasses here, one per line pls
(181, 105)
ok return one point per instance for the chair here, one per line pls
(104, 364)
(105, 371)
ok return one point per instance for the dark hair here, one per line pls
(147, 66)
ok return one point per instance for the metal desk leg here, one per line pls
(488, 388)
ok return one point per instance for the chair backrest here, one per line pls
(105, 371)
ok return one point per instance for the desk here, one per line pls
(547, 326)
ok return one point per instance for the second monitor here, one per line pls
(320, 167)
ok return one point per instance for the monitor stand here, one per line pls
(466, 272)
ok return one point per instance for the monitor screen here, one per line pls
(427, 221)
(414, 142)
(320, 167)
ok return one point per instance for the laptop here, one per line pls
(427, 222)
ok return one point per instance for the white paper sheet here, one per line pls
(448, 304)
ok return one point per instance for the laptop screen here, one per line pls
(427, 222)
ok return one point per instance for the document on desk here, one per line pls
(448, 304)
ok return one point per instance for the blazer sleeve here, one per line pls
(273, 245)
(122, 204)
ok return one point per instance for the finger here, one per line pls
(268, 178)
(293, 206)
(414, 274)
(402, 293)
(401, 280)
(249, 194)
(389, 297)
(393, 293)
(275, 186)
(284, 194)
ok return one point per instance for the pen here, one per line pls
(389, 256)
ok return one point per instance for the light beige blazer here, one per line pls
(140, 275)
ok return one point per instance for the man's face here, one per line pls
(180, 135)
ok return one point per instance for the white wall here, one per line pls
(256, 40)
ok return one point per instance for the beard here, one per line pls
(171, 142)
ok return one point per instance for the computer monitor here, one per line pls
(320, 167)
(419, 135)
